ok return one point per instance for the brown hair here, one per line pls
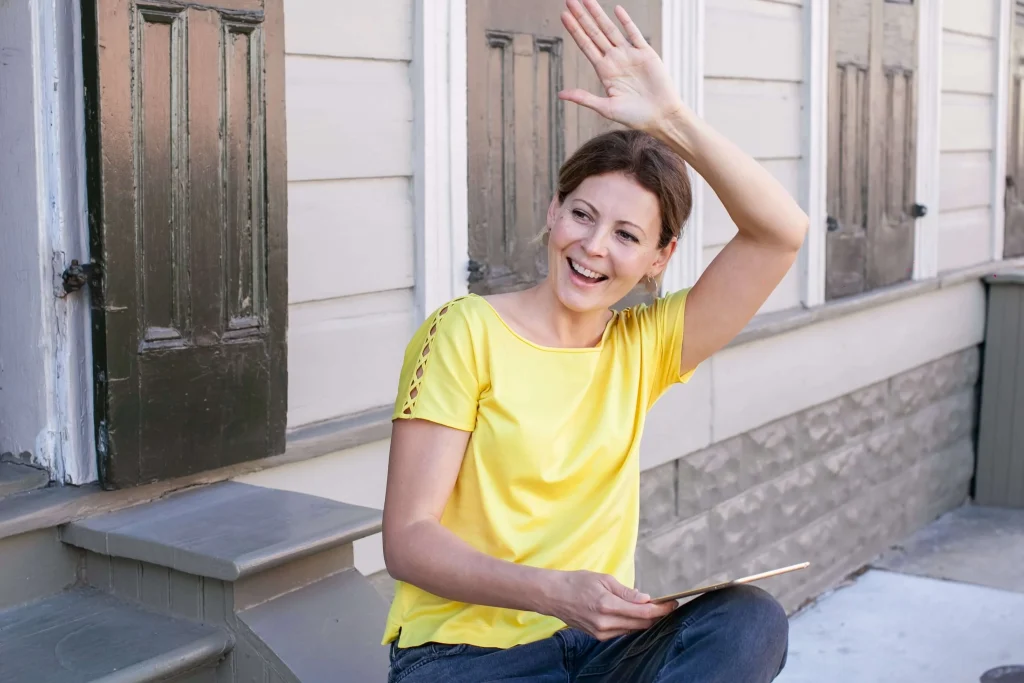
(647, 160)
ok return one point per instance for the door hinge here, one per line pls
(477, 271)
(78, 275)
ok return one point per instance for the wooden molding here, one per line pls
(1003, 37)
(682, 39)
(816, 16)
(441, 182)
(929, 104)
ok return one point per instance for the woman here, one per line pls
(512, 504)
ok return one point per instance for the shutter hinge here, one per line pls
(477, 271)
(78, 275)
(918, 210)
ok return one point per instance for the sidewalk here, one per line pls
(947, 606)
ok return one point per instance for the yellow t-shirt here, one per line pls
(551, 473)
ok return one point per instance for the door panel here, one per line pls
(187, 201)
(872, 152)
(1013, 244)
(519, 58)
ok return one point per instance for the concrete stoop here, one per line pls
(229, 582)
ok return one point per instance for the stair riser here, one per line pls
(35, 564)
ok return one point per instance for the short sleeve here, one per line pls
(439, 380)
(662, 324)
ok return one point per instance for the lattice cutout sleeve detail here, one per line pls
(421, 365)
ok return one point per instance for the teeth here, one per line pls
(586, 272)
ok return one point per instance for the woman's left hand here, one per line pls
(640, 92)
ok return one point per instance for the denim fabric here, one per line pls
(735, 635)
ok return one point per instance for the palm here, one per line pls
(639, 92)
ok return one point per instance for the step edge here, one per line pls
(186, 658)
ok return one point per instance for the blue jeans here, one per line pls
(735, 635)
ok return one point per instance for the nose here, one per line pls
(596, 242)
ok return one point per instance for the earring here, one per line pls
(650, 284)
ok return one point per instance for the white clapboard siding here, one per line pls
(753, 39)
(762, 117)
(785, 296)
(965, 238)
(965, 180)
(380, 29)
(976, 17)
(348, 237)
(348, 118)
(966, 123)
(968, 64)
(345, 355)
(718, 226)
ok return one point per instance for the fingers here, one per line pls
(607, 26)
(632, 32)
(586, 20)
(581, 38)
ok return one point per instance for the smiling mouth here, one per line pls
(585, 273)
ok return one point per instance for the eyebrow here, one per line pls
(594, 209)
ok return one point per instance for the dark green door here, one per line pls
(187, 192)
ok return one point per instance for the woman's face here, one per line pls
(603, 240)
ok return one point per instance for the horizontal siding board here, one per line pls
(785, 296)
(966, 123)
(762, 117)
(381, 29)
(830, 359)
(965, 238)
(753, 39)
(965, 180)
(348, 118)
(345, 355)
(968, 64)
(977, 17)
(348, 237)
(718, 226)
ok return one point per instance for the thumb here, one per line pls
(585, 99)
(626, 593)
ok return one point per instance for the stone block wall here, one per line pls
(833, 485)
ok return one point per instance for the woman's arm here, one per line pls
(424, 464)
(771, 226)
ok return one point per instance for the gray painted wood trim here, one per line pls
(226, 531)
(772, 324)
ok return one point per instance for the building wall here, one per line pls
(904, 365)
(754, 69)
(350, 216)
(23, 263)
(967, 120)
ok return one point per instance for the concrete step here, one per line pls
(275, 568)
(17, 477)
(86, 636)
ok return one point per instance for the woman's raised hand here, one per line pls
(640, 92)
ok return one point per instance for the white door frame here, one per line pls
(929, 109)
(815, 151)
(65, 442)
(1005, 20)
(440, 179)
(682, 47)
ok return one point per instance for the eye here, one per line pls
(628, 236)
(580, 215)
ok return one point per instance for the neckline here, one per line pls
(541, 347)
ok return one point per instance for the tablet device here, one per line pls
(733, 582)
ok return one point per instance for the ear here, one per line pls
(664, 256)
(553, 208)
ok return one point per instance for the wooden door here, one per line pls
(186, 140)
(519, 57)
(1013, 244)
(872, 138)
